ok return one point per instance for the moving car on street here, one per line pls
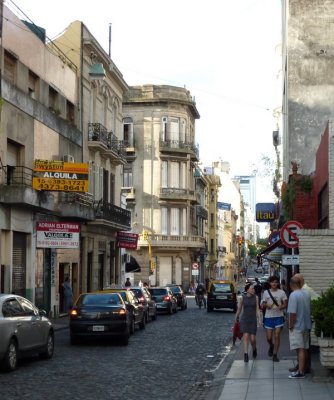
(222, 294)
(23, 330)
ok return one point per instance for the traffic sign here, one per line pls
(195, 266)
(274, 237)
(289, 233)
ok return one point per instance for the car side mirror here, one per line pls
(42, 313)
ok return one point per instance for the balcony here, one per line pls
(201, 212)
(99, 139)
(16, 189)
(130, 193)
(173, 241)
(108, 214)
(178, 146)
(177, 194)
(76, 206)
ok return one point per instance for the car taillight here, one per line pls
(166, 298)
(120, 312)
(73, 313)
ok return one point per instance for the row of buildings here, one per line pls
(99, 180)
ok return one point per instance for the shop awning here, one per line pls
(270, 248)
(132, 266)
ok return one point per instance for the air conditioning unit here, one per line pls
(68, 158)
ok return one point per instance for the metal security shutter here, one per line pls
(19, 264)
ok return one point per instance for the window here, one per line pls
(53, 99)
(164, 130)
(10, 63)
(33, 85)
(12, 308)
(173, 174)
(173, 221)
(175, 132)
(70, 111)
(127, 177)
(128, 132)
(323, 207)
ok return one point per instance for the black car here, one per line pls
(145, 298)
(180, 296)
(164, 299)
(222, 294)
(99, 315)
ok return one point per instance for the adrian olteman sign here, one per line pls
(58, 235)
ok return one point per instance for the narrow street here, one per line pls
(173, 358)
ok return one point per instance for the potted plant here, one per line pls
(323, 316)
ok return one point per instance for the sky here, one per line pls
(225, 52)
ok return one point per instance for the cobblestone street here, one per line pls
(173, 358)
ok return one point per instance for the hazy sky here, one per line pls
(226, 52)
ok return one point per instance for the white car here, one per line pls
(23, 330)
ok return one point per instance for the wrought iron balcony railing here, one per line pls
(16, 175)
(180, 146)
(114, 214)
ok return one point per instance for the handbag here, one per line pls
(237, 334)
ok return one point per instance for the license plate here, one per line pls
(221, 297)
(98, 328)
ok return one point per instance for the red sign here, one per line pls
(195, 266)
(289, 233)
(127, 240)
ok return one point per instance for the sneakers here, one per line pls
(297, 375)
(271, 350)
(254, 353)
(275, 358)
(246, 357)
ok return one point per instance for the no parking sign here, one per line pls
(289, 233)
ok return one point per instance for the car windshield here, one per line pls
(100, 299)
(158, 291)
(137, 292)
(222, 287)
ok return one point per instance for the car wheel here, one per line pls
(11, 357)
(170, 310)
(147, 316)
(49, 347)
(154, 316)
(210, 308)
(125, 338)
(142, 324)
(132, 326)
(175, 309)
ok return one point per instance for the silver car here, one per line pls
(23, 330)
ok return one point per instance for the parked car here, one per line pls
(222, 294)
(24, 329)
(145, 298)
(134, 307)
(164, 299)
(99, 314)
(181, 298)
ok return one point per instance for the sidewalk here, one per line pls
(265, 379)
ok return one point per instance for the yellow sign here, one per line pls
(60, 176)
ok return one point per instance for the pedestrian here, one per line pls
(300, 278)
(274, 301)
(68, 295)
(140, 284)
(299, 310)
(258, 289)
(127, 282)
(249, 320)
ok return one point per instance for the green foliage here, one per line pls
(252, 249)
(323, 313)
(288, 199)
